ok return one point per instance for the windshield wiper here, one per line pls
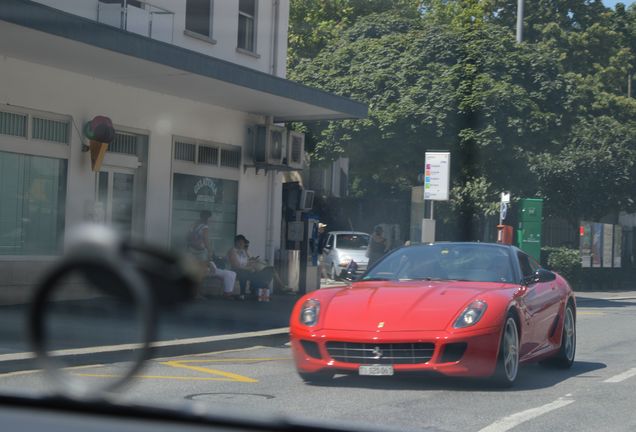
(373, 279)
(425, 278)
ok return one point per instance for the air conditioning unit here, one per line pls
(306, 200)
(269, 144)
(295, 149)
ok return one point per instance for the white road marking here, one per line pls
(622, 376)
(159, 344)
(33, 371)
(507, 423)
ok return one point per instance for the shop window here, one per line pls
(192, 194)
(33, 196)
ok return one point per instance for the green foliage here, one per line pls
(547, 117)
(565, 261)
(594, 174)
(315, 23)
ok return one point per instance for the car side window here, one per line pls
(330, 242)
(533, 264)
(524, 263)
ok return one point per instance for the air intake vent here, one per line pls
(13, 124)
(124, 143)
(231, 157)
(208, 155)
(50, 130)
(184, 151)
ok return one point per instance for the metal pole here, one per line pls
(432, 202)
(519, 21)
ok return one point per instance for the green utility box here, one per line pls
(529, 231)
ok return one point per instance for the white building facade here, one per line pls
(183, 82)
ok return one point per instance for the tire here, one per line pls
(564, 359)
(508, 358)
(316, 377)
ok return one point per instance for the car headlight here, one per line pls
(309, 312)
(471, 315)
(345, 260)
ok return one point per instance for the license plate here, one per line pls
(375, 370)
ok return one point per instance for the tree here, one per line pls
(313, 24)
(593, 175)
(453, 77)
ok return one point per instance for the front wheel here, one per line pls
(508, 359)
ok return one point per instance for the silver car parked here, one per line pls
(341, 248)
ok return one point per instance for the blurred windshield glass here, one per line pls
(248, 139)
(352, 241)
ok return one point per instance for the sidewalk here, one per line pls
(88, 333)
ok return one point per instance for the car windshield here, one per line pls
(304, 209)
(352, 241)
(446, 262)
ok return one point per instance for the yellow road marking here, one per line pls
(225, 360)
(229, 375)
(256, 347)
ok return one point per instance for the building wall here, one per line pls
(81, 97)
(224, 30)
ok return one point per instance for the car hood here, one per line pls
(358, 255)
(401, 306)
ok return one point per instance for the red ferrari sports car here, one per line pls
(459, 309)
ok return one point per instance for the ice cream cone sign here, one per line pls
(98, 150)
(100, 133)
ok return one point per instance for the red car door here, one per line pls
(541, 301)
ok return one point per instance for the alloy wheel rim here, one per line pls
(511, 350)
(569, 334)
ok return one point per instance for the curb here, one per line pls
(25, 361)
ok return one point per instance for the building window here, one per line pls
(192, 194)
(247, 25)
(199, 17)
(33, 197)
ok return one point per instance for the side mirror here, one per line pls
(348, 276)
(540, 276)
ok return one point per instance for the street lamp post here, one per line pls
(519, 21)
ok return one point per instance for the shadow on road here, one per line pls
(531, 377)
(591, 302)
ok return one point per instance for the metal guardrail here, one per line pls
(139, 17)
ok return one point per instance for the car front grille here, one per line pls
(381, 353)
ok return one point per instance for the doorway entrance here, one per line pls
(117, 198)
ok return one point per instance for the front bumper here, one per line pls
(478, 359)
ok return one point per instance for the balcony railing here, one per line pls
(138, 17)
